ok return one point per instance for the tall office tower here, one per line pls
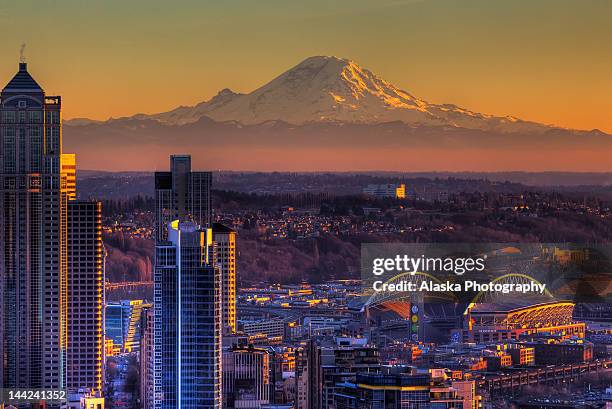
(86, 296)
(308, 383)
(181, 195)
(225, 258)
(33, 242)
(146, 358)
(69, 168)
(187, 328)
(246, 378)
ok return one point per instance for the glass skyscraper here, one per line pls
(187, 320)
(181, 195)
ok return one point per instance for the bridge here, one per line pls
(554, 374)
(293, 312)
(126, 284)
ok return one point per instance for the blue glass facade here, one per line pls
(113, 323)
(187, 321)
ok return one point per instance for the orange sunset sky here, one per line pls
(548, 60)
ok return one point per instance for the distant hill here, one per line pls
(125, 185)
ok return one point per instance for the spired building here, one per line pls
(33, 237)
(51, 253)
(187, 320)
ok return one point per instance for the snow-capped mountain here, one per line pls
(329, 113)
(331, 89)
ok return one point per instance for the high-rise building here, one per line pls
(246, 378)
(187, 320)
(69, 168)
(33, 237)
(147, 391)
(86, 296)
(225, 258)
(182, 195)
(307, 376)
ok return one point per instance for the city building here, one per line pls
(341, 363)
(122, 322)
(317, 325)
(225, 258)
(246, 378)
(390, 190)
(554, 352)
(86, 296)
(114, 318)
(307, 376)
(147, 391)
(33, 237)
(69, 169)
(282, 373)
(92, 402)
(268, 328)
(466, 390)
(187, 320)
(396, 391)
(431, 195)
(498, 361)
(521, 355)
(85, 399)
(324, 364)
(181, 194)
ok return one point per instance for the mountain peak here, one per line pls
(222, 97)
(333, 89)
(225, 92)
(322, 59)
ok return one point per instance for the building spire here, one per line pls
(22, 58)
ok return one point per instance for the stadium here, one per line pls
(501, 321)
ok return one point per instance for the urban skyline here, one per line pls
(255, 296)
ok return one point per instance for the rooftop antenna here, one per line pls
(22, 58)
